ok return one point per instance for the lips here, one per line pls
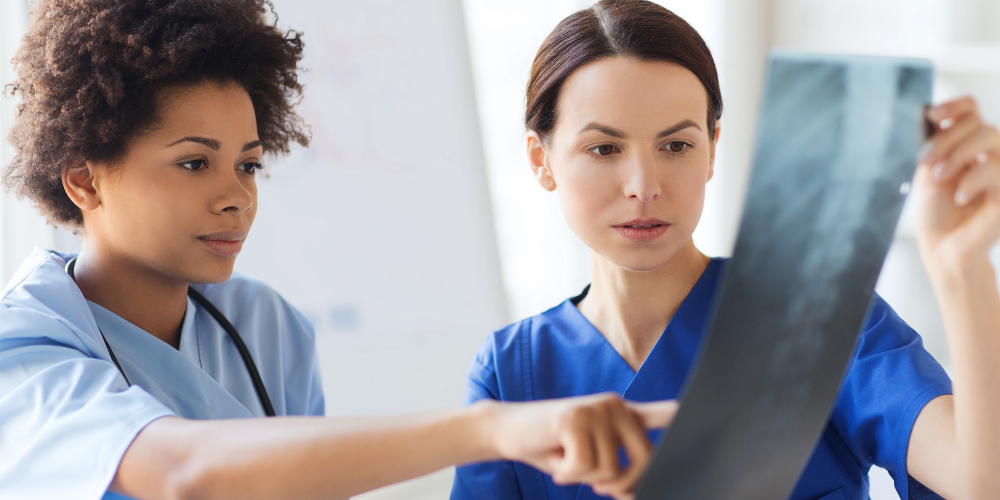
(224, 243)
(643, 229)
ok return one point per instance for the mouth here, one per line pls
(643, 229)
(224, 243)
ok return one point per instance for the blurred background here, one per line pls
(412, 226)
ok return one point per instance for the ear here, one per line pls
(79, 184)
(538, 159)
(711, 158)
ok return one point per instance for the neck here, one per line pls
(631, 308)
(140, 295)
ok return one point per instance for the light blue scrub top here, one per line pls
(67, 415)
(559, 353)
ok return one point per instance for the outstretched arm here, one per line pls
(575, 440)
(955, 444)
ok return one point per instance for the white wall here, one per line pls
(21, 227)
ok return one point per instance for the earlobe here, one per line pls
(711, 159)
(78, 182)
(538, 160)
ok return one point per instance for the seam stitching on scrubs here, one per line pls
(525, 334)
(917, 403)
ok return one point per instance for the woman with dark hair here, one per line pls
(623, 110)
(133, 368)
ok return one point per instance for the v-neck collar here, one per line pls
(174, 376)
(689, 320)
(188, 335)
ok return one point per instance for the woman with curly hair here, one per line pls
(133, 367)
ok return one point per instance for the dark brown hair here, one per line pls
(627, 28)
(89, 72)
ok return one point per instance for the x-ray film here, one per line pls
(836, 150)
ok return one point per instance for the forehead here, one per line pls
(205, 107)
(627, 92)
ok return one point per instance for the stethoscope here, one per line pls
(258, 384)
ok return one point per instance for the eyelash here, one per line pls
(255, 165)
(616, 149)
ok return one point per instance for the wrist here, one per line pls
(483, 416)
(958, 270)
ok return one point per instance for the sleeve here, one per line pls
(66, 419)
(890, 381)
(486, 480)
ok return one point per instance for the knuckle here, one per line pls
(610, 402)
(993, 133)
(608, 470)
(578, 416)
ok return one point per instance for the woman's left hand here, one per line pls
(958, 188)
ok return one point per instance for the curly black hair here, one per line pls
(88, 73)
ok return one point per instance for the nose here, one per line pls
(641, 183)
(234, 198)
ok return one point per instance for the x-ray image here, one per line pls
(835, 152)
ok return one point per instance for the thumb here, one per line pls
(655, 415)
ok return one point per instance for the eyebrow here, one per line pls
(214, 144)
(677, 128)
(613, 132)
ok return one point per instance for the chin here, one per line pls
(210, 273)
(642, 259)
(637, 263)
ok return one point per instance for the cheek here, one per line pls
(156, 207)
(586, 192)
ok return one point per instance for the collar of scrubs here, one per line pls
(176, 377)
(662, 373)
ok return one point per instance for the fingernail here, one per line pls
(961, 198)
(938, 170)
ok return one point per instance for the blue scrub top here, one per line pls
(67, 415)
(560, 354)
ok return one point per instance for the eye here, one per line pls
(193, 164)
(676, 146)
(604, 150)
(251, 166)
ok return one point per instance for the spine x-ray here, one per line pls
(835, 153)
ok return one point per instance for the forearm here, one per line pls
(297, 457)
(970, 305)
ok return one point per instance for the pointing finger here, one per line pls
(656, 415)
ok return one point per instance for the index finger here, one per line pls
(954, 110)
(655, 415)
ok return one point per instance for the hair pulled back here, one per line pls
(623, 28)
(88, 73)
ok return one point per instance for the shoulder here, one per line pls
(513, 339)
(885, 331)
(507, 358)
(42, 303)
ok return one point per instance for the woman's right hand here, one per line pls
(576, 440)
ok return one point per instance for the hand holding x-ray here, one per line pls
(958, 185)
